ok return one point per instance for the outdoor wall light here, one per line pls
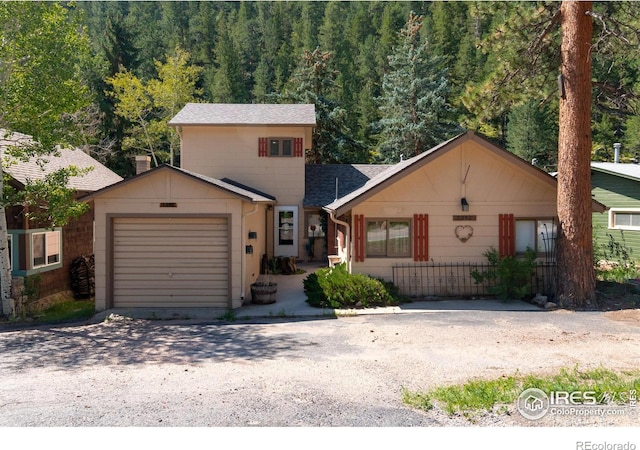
(464, 204)
(248, 249)
(253, 235)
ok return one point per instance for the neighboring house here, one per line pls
(617, 185)
(36, 249)
(196, 236)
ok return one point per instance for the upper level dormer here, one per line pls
(260, 145)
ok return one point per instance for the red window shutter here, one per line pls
(421, 237)
(507, 235)
(263, 146)
(297, 147)
(358, 237)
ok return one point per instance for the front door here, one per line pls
(286, 231)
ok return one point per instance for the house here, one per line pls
(197, 235)
(618, 186)
(414, 222)
(34, 248)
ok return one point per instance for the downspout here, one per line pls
(243, 254)
(347, 235)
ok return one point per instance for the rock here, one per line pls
(550, 305)
(540, 299)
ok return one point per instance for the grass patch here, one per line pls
(478, 396)
(67, 311)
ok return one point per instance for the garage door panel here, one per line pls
(176, 249)
(170, 262)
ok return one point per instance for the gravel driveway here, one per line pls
(346, 371)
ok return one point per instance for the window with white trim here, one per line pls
(536, 234)
(388, 237)
(624, 219)
(280, 147)
(314, 225)
(45, 248)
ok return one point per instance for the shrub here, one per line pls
(336, 288)
(511, 275)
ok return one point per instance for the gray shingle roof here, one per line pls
(320, 180)
(627, 170)
(245, 114)
(25, 171)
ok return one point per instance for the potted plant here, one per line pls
(263, 291)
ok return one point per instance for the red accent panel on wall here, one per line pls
(421, 237)
(358, 237)
(263, 146)
(507, 235)
(297, 147)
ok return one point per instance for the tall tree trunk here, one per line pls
(576, 276)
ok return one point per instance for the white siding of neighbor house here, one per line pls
(493, 186)
(142, 198)
(232, 152)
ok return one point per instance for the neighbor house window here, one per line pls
(280, 147)
(10, 244)
(536, 234)
(624, 219)
(389, 237)
(45, 248)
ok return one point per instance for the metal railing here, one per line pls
(435, 280)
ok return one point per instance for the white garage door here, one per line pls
(170, 262)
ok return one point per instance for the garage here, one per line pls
(170, 262)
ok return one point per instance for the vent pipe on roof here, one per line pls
(616, 148)
(143, 163)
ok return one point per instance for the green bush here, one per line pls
(511, 275)
(336, 288)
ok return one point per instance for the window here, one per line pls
(45, 248)
(624, 219)
(10, 244)
(388, 238)
(280, 147)
(537, 234)
(314, 228)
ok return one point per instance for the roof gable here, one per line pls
(245, 114)
(24, 171)
(228, 186)
(404, 168)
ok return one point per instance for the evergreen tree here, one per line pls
(228, 84)
(413, 106)
(333, 141)
(532, 134)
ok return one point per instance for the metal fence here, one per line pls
(434, 280)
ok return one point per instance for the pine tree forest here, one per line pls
(491, 67)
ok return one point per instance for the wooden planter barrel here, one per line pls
(263, 293)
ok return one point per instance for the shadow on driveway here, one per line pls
(127, 342)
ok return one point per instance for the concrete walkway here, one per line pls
(291, 302)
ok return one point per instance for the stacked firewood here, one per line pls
(83, 277)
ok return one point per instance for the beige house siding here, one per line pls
(493, 186)
(232, 152)
(192, 199)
